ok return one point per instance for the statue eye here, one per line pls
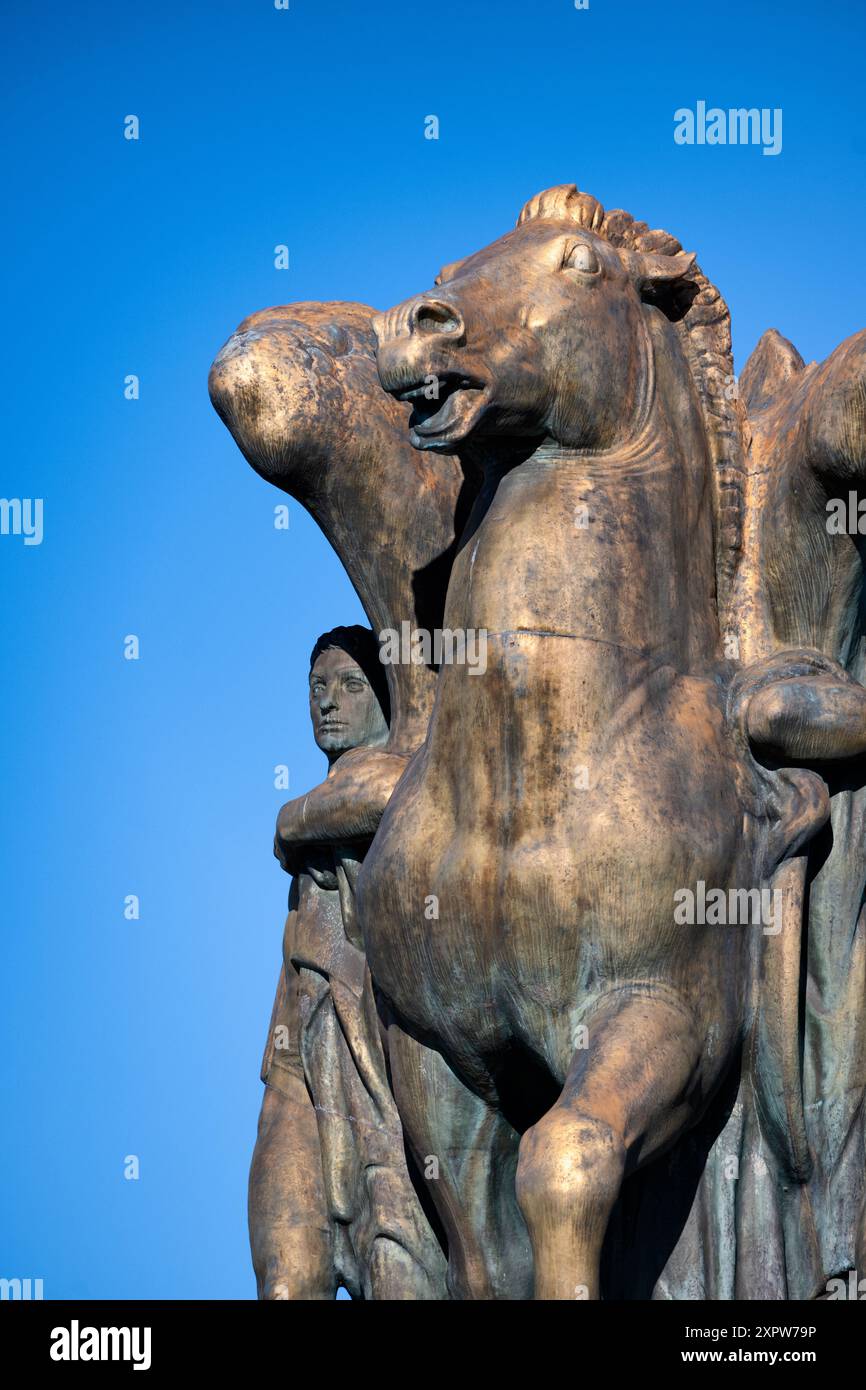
(581, 257)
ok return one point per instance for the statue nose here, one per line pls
(435, 316)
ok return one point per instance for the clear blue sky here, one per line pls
(155, 777)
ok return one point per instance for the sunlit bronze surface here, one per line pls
(550, 447)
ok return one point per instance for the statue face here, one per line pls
(541, 333)
(343, 705)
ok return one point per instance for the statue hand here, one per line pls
(324, 878)
(290, 845)
(288, 854)
(297, 857)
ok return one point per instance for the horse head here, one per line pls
(542, 333)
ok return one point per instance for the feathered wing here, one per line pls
(799, 608)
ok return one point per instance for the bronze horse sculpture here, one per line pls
(560, 463)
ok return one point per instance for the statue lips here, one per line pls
(441, 421)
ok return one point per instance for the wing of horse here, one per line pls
(799, 611)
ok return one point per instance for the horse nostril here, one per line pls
(433, 316)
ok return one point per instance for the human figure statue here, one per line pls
(331, 1201)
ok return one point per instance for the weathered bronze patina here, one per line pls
(613, 906)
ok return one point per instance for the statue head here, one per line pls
(541, 333)
(348, 691)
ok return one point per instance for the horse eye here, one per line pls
(582, 257)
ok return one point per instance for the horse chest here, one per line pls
(559, 551)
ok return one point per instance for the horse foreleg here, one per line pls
(626, 1096)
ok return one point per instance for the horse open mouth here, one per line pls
(445, 408)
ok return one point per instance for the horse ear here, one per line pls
(663, 280)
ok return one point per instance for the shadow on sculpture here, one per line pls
(613, 906)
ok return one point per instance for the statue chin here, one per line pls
(335, 744)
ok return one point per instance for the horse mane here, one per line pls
(705, 335)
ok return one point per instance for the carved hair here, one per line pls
(705, 335)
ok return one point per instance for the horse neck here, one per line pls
(658, 480)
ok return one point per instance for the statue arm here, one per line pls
(346, 807)
(812, 719)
